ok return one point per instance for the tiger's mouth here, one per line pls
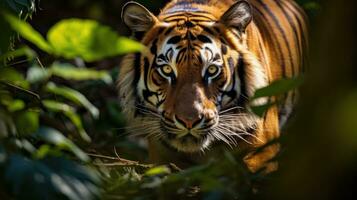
(188, 141)
(228, 129)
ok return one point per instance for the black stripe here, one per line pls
(162, 57)
(146, 71)
(208, 30)
(137, 64)
(231, 65)
(180, 55)
(153, 48)
(204, 39)
(216, 57)
(146, 92)
(224, 49)
(179, 15)
(169, 30)
(242, 99)
(189, 24)
(174, 40)
(190, 36)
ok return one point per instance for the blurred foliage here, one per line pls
(61, 126)
(42, 114)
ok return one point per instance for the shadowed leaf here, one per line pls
(74, 96)
(54, 137)
(278, 87)
(70, 72)
(69, 112)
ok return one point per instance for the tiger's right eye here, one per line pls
(167, 69)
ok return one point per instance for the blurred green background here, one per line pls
(61, 127)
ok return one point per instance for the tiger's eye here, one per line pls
(167, 69)
(212, 70)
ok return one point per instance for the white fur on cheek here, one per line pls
(255, 77)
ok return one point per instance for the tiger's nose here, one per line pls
(187, 122)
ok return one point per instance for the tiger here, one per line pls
(189, 92)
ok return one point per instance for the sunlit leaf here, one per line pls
(159, 170)
(70, 72)
(54, 137)
(13, 105)
(16, 105)
(278, 87)
(88, 39)
(27, 32)
(73, 96)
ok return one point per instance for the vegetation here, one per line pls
(61, 127)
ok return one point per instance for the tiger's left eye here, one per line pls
(212, 71)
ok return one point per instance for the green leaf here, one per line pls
(52, 136)
(70, 72)
(261, 109)
(74, 96)
(70, 113)
(27, 32)
(159, 170)
(89, 40)
(27, 122)
(13, 105)
(278, 87)
(22, 51)
(11, 76)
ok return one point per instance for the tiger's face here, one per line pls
(190, 82)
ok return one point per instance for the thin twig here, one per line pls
(22, 89)
(120, 162)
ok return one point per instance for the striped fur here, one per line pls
(205, 58)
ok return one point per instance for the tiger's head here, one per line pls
(191, 86)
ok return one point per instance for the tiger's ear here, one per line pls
(137, 17)
(238, 16)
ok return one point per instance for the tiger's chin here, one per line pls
(189, 144)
